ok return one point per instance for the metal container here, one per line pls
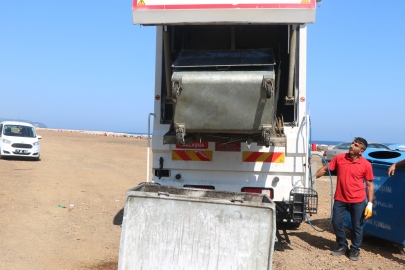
(224, 91)
(388, 219)
(183, 228)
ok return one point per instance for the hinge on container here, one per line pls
(268, 86)
(176, 89)
(266, 132)
(180, 134)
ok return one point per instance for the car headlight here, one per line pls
(6, 141)
(35, 143)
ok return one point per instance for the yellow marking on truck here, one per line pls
(305, 2)
(141, 3)
(272, 157)
(192, 155)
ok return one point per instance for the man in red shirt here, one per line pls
(350, 195)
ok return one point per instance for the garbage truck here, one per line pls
(230, 113)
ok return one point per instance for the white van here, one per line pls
(18, 139)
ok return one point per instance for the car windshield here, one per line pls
(377, 145)
(19, 131)
(344, 145)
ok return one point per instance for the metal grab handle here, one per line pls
(235, 200)
(163, 193)
(147, 155)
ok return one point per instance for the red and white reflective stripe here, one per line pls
(192, 155)
(276, 157)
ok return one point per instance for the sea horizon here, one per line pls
(313, 141)
(337, 142)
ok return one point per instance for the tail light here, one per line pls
(200, 187)
(267, 191)
(324, 154)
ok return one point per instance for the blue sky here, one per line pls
(84, 65)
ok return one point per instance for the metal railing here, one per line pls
(147, 162)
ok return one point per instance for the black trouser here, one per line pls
(356, 210)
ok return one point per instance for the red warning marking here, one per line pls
(302, 99)
(157, 97)
(276, 157)
(182, 155)
(192, 155)
(202, 156)
(253, 157)
(193, 145)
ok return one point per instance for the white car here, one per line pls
(18, 139)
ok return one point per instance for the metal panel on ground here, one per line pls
(182, 228)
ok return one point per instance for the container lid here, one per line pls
(383, 156)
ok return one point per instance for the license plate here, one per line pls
(21, 151)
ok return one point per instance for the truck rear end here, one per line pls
(230, 98)
(230, 121)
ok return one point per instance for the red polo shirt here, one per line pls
(350, 174)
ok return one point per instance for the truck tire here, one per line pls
(288, 225)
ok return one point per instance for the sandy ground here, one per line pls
(89, 176)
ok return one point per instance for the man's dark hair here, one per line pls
(362, 141)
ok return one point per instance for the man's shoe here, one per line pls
(354, 254)
(339, 251)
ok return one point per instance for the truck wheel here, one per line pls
(402, 251)
(295, 225)
(288, 225)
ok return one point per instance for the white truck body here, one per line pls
(278, 168)
(162, 12)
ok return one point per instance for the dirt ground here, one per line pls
(88, 176)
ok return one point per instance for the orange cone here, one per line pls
(105, 134)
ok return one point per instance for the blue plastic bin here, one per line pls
(388, 219)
